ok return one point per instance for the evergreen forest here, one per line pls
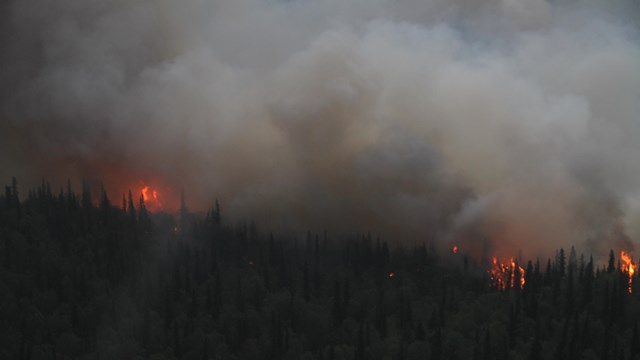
(86, 276)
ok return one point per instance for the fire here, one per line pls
(503, 274)
(455, 249)
(628, 267)
(151, 198)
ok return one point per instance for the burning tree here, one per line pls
(628, 267)
(507, 274)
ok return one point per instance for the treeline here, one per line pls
(82, 278)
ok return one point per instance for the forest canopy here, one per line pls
(83, 279)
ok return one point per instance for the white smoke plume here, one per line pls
(509, 121)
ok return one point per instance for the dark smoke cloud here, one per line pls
(506, 121)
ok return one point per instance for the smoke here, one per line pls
(511, 122)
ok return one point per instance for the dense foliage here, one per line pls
(80, 280)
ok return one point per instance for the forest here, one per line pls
(86, 276)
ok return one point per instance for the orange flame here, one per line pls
(145, 193)
(503, 275)
(151, 198)
(628, 267)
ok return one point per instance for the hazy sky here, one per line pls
(512, 121)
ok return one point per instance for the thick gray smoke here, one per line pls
(509, 121)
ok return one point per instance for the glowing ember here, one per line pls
(504, 274)
(628, 267)
(392, 274)
(455, 249)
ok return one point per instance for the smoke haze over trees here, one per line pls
(91, 281)
(513, 122)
